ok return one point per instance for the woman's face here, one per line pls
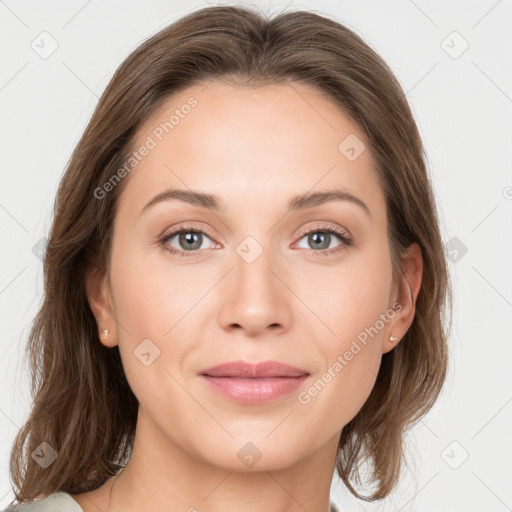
(245, 282)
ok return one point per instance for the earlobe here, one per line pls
(408, 290)
(98, 296)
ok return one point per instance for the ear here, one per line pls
(100, 301)
(405, 294)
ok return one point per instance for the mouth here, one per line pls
(243, 369)
(254, 384)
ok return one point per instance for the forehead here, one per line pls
(250, 144)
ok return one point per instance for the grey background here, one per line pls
(461, 457)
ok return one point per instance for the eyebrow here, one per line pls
(299, 202)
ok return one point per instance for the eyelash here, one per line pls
(185, 228)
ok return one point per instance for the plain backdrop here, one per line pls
(453, 61)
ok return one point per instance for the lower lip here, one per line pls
(254, 391)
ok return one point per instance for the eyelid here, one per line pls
(341, 232)
(185, 226)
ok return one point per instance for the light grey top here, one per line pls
(56, 502)
(62, 502)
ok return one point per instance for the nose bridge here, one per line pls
(254, 282)
(256, 298)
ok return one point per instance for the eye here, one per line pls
(189, 239)
(321, 239)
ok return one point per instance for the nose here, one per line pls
(255, 296)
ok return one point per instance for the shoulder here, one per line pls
(56, 502)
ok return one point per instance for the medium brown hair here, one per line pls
(83, 406)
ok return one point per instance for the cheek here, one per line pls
(340, 392)
(151, 294)
(350, 364)
(148, 319)
(353, 306)
(346, 297)
(155, 304)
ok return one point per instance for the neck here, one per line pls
(162, 476)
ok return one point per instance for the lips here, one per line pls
(241, 369)
(254, 384)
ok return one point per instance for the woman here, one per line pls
(245, 283)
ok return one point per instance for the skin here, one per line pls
(254, 148)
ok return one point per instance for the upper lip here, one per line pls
(248, 370)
